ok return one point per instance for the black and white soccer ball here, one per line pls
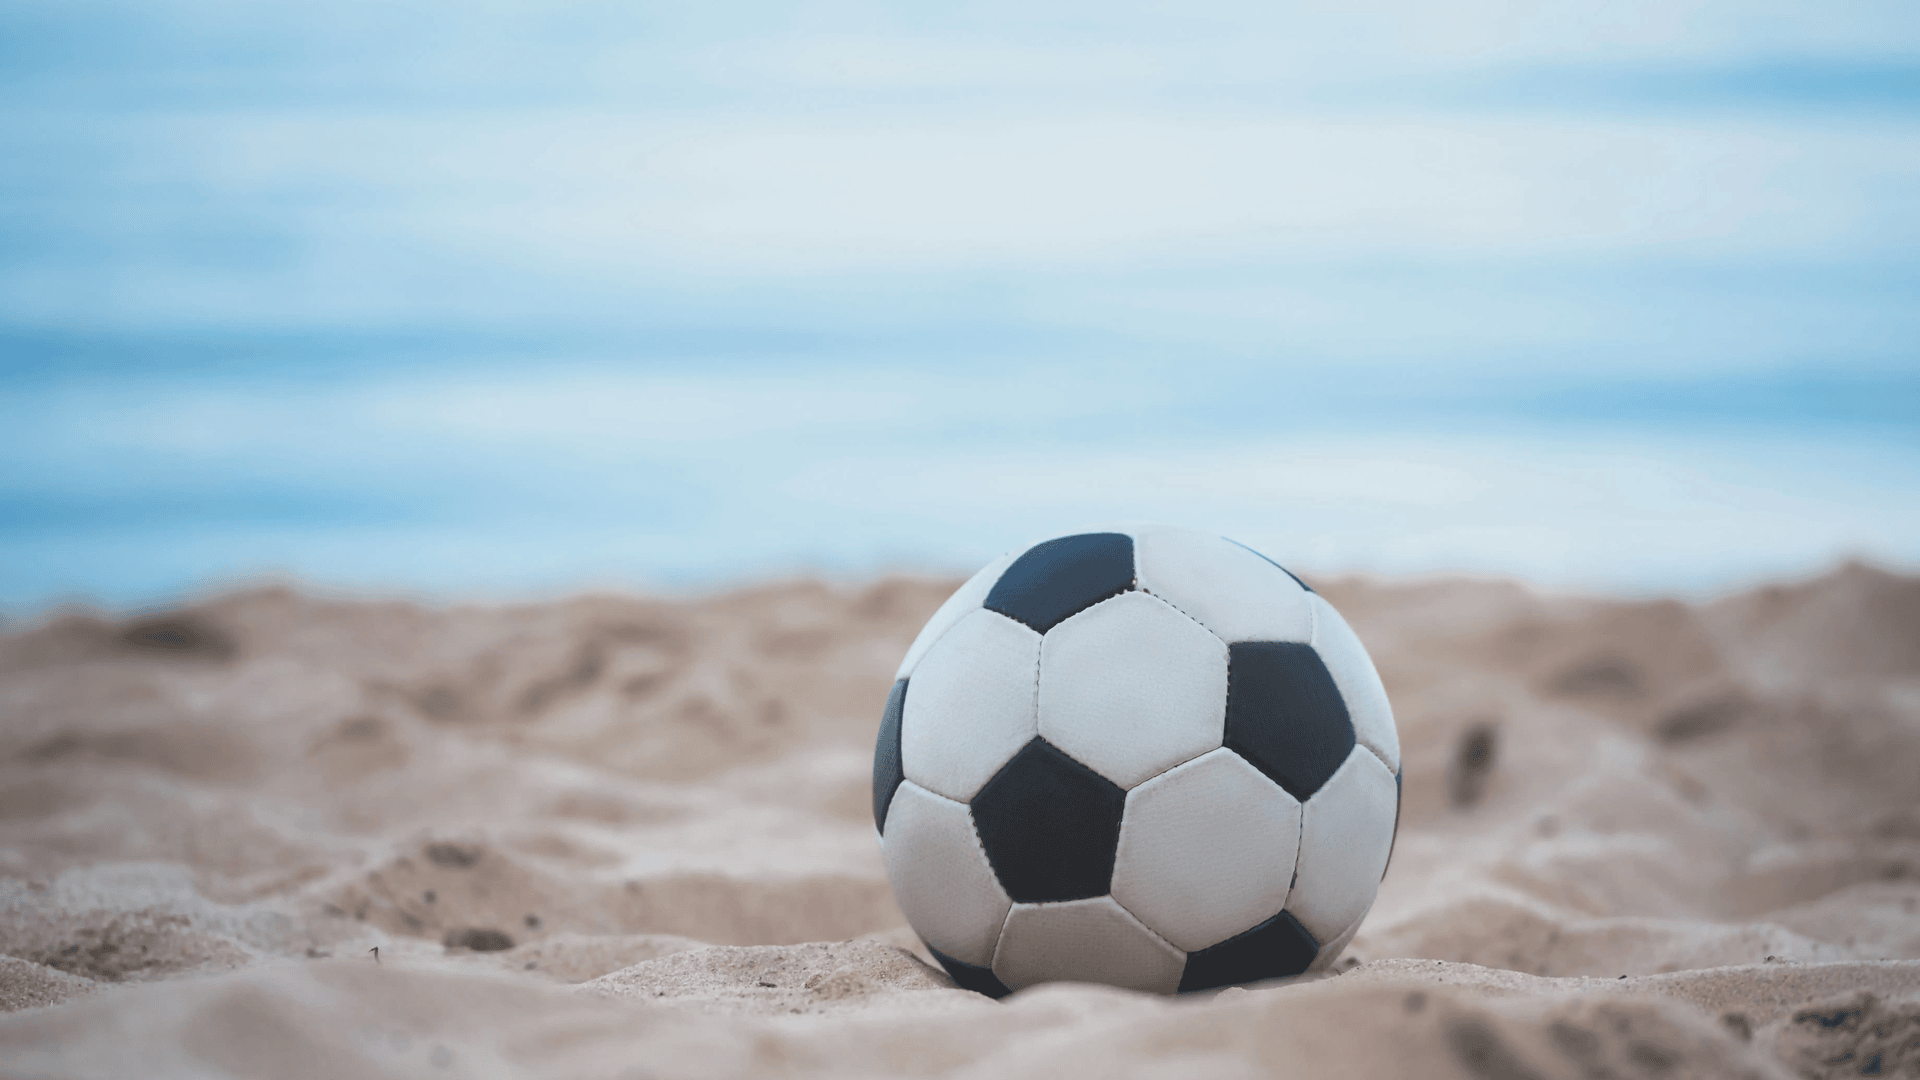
(1149, 757)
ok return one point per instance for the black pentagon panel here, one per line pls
(971, 976)
(1285, 715)
(1063, 576)
(1277, 566)
(1050, 825)
(887, 772)
(1275, 949)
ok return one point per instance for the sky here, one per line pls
(501, 299)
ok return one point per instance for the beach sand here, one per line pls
(276, 835)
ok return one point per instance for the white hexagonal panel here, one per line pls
(970, 704)
(941, 876)
(1346, 830)
(1331, 950)
(1353, 672)
(1206, 850)
(1085, 941)
(1130, 688)
(964, 601)
(1227, 588)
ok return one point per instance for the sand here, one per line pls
(274, 834)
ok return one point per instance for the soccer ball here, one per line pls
(1151, 758)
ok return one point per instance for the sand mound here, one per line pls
(608, 834)
(1858, 623)
(849, 1012)
(28, 985)
(773, 979)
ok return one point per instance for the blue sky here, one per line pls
(499, 299)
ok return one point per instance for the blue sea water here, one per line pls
(500, 299)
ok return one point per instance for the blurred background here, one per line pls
(496, 298)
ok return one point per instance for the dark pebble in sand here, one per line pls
(1474, 757)
(477, 938)
(453, 856)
